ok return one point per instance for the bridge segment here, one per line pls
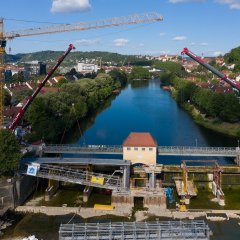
(86, 178)
(162, 150)
(58, 169)
(168, 230)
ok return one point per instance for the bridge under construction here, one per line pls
(168, 230)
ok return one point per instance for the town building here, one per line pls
(86, 67)
(35, 68)
(140, 148)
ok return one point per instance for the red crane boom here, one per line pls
(41, 85)
(222, 76)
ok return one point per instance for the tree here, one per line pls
(231, 109)
(175, 69)
(139, 73)
(61, 82)
(118, 76)
(7, 98)
(10, 152)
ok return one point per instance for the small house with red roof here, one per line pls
(140, 148)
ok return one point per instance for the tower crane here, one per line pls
(222, 76)
(79, 26)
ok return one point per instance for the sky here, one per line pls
(206, 27)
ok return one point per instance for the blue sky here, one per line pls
(206, 27)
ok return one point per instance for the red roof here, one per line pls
(49, 89)
(11, 112)
(135, 139)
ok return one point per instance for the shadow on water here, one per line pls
(78, 131)
(139, 83)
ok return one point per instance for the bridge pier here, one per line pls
(152, 181)
(51, 189)
(126, 178)
(86, 193)
(237, 159)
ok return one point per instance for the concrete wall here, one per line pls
(144, 155)
(25, 186)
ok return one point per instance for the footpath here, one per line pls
(215, 215)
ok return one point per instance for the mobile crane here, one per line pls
(23, 109)
(222, 76)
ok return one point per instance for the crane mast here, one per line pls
(21, 112)
(222, 76)
(80, 26)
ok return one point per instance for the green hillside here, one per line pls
(73, 57)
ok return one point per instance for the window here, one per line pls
(128, 148)
(150, 149)
(135, 149)
(143, 149)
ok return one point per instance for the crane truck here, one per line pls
(222, 76)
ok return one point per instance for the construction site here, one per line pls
(130, 182)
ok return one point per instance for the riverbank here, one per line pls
(215, 124)
(230, 129)
(43, 226)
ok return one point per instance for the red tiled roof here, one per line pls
(57, 78)
(136, 139)
(11, 112)
(49, 89)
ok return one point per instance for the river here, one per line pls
(144, 107)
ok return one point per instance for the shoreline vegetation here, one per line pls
(214, 124)
(226, 128)
(214, 111)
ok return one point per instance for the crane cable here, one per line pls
(79, 128)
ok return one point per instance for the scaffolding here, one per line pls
(167, 230)
(66, 174)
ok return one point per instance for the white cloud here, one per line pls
(179, 38)
(165, 52)
(203, 44)
(141, 45)
(212, 53)
(162, 34)
(184, 1)
(233, 4)
(120, 42)
(87, 42)
(70, 6)
(217, 53)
